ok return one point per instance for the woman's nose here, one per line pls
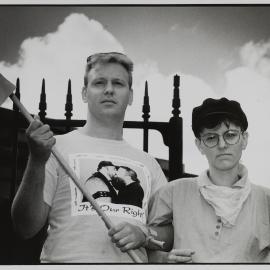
(221, 142)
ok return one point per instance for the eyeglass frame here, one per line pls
(239, 132)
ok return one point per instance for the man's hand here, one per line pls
(127, 236)
(40, 140)
(180, 256)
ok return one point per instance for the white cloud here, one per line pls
(174, 27)
(250, 85)
(257, 56)
(57, 57)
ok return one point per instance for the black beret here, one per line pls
(214, 107)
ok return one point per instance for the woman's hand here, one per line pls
(180, 256)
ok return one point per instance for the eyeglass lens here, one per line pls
(230, 137)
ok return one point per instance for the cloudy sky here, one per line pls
(217, 50)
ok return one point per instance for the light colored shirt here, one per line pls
(197, 227)
(226, 201)
(76, 233)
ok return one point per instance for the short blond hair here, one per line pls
(109, 57)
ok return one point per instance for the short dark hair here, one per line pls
(109, 57)
(213, 112)
(104, 163)
(132, 173)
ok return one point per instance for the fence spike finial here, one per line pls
(42, 103)
(69, 105)
(145, 116)
(146, 106)
(176, 97)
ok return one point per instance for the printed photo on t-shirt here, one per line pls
(119, 185)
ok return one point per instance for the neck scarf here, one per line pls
(226, 201)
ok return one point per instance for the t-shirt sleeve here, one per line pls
(161, 206)
(51, 176)
(159, 179)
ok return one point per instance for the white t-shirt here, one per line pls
(76, 233)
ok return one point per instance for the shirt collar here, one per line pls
(203, 179)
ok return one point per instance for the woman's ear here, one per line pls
(245, 136)
(198, 143)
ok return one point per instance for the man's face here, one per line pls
(122, 172)
(223, 156)
(107, 92)
(111, 171)
(119, 180)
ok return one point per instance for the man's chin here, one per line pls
(112, 113)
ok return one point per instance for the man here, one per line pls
(76, 233)
(219, 216)
(128, 186)
(100, 185)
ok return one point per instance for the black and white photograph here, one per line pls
(135, 133)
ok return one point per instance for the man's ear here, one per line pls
(130, 100)
(84, 94)
(245, 140)
(198, 143)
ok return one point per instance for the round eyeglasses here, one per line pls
(230, 136)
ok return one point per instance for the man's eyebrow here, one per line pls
(117, 78)
(97, 78)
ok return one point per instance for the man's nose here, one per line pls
(108, 88)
